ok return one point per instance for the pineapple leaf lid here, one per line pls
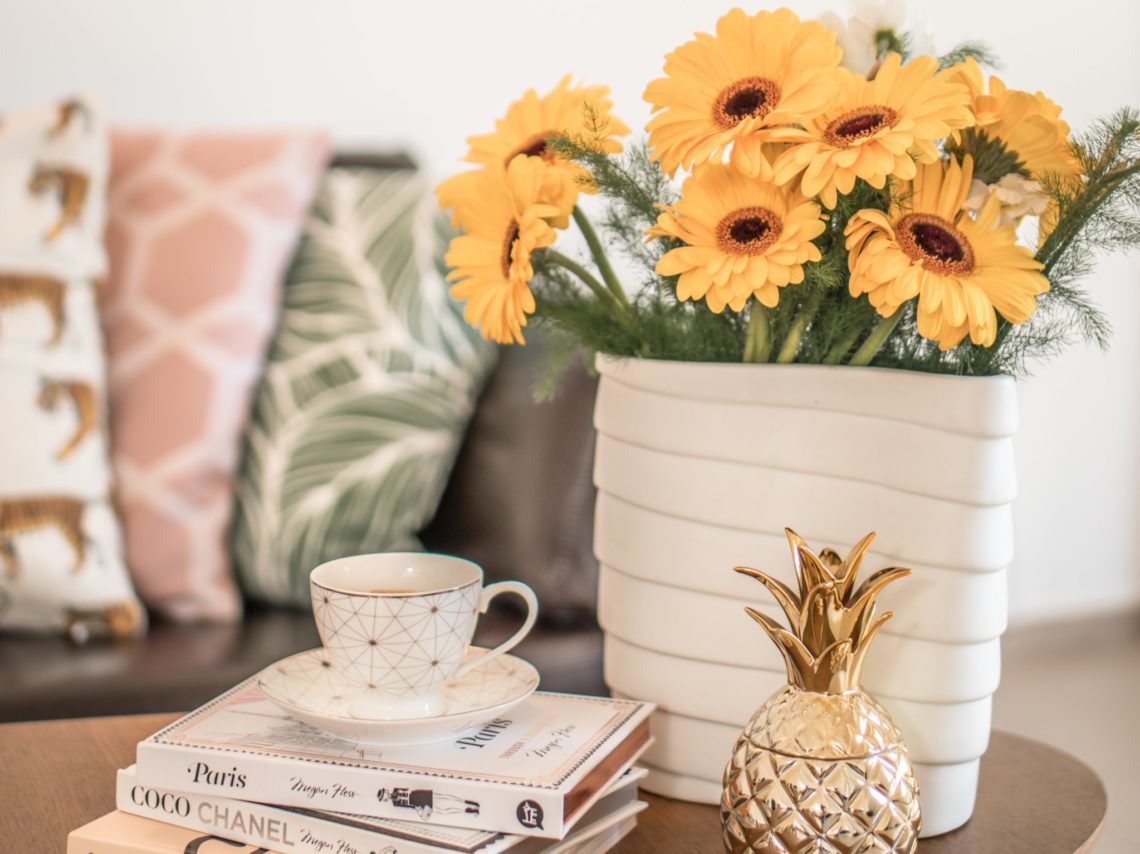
(830, 621)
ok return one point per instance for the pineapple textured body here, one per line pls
(821, 768)
(820, 773)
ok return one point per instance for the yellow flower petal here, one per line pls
(961, 270)
(491, 262)
(744, 237)
(528, 123)
(869, 131)
(759, 72)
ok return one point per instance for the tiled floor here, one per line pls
(1078, 688)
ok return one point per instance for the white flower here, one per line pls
(858, 35)
(1019, 197)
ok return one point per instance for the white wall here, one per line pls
(422, 75)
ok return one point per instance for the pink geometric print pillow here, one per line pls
(200, 229)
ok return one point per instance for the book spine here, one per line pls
(362, 790)
(255, 824)
(81, 841)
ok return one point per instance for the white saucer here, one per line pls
(306, 687)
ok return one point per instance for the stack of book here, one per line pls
(555, 774)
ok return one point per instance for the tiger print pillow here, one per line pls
(61, 565)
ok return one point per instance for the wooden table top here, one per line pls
(58, 775)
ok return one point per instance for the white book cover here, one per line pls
(533, 772)
(288, 829)
(124, 833)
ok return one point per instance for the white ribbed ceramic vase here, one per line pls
(700, 467)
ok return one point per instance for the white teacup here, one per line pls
(396, 626)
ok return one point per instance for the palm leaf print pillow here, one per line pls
(371, 379)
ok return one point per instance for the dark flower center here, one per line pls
(508, 245)
(748, 231)
(751, 97)
(746, 102)
(534, 147)
(938, 244)
(860, 123)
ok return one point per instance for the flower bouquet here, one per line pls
(816, 201)
(808, 193)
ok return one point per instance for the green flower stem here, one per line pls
(874, 342)
(598, 252)
(792, 342)
(758, 344)
(836, 354)
(887, 41)
(586, 277)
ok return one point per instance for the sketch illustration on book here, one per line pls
(425, 802)
(286, 733)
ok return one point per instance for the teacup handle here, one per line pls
(489, 593)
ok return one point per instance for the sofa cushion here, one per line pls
(201, 229)
(60, 545)
(520, 501)
(371, 379)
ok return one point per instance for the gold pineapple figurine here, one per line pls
(821, 767)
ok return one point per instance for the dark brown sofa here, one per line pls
(520, 502)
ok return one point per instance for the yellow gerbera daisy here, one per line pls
(1028, 125)
(757, 72)
(744, 237)
(529, 123)
(961, 269)
(504, 221)
(874, 131)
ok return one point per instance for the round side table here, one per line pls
(1032, 799)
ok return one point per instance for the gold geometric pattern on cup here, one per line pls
(396, 645)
